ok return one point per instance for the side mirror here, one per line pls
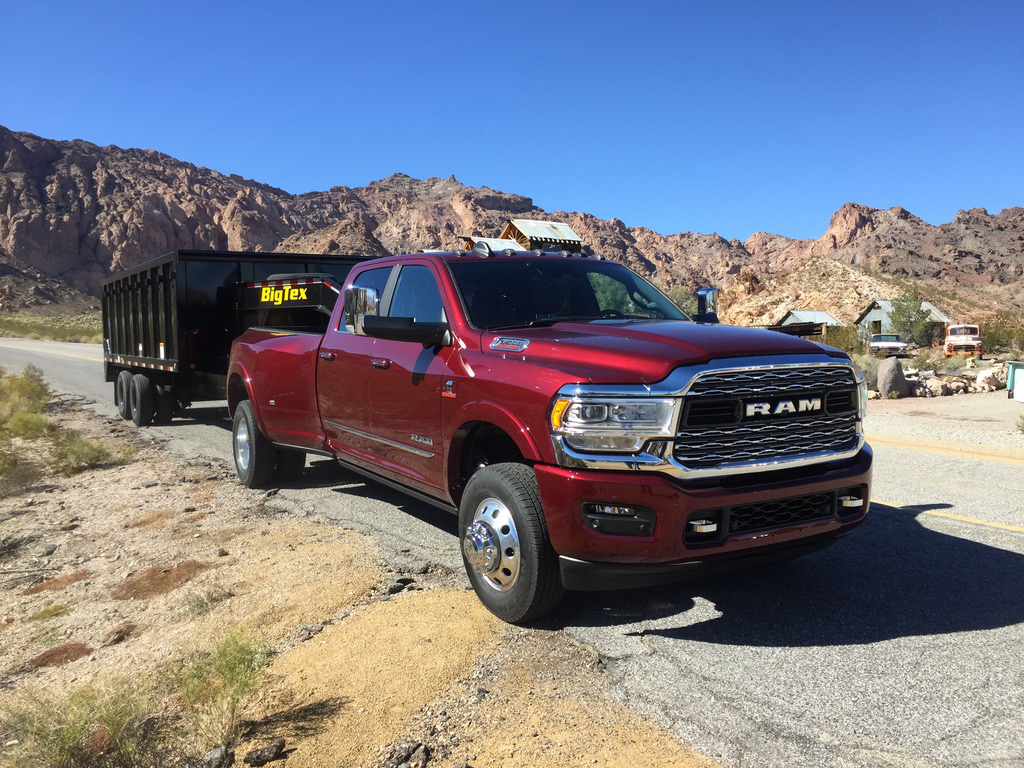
(360, 301)
(407, 329)
(707, 306)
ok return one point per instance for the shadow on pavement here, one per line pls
(890, 578)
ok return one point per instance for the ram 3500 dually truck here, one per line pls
(586, 432)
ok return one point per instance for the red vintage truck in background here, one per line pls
(586, 432)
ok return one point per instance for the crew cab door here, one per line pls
(343, 380)
(406, 379)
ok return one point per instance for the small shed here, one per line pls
(810, 316)
(546, 235)
(877, 316)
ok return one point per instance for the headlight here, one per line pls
(612, 424)
(862, 393)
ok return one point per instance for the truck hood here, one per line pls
(639, 351)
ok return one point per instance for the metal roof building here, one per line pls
(877, 317)
(809, 316)
(531, 234)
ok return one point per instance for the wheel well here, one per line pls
(477, 445)
(236, 393)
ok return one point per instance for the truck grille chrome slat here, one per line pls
(713, 434)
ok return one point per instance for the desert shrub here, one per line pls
(72, 454)
(868, 365)
(218, 686)
(52, 611)
(17, 470)
(112, 727)
(29, 426)
(846, 338)
(25, 392)
(1001, 336)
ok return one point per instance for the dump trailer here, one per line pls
(168, 324)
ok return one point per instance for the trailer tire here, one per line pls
(255, 456)
(122, 394)
(289, 465)
(505, 545)
(140, 400)
(165, 405)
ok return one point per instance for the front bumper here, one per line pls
(591, 559)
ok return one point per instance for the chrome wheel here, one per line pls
(243, 445)
(491, 545)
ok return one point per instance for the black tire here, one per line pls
(122, 394)
(255, 456)
(165, 405)
(140, 400)
(523, 583)
(289, 466)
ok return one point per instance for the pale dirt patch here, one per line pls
(357, 667)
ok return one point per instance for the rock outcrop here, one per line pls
(71, 212)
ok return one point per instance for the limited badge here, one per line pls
(509, 344)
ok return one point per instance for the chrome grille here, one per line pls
(770, 381)
(713, 434)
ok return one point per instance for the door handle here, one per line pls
(378, 362)
(326, 355)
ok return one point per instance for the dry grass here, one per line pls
(75, 328)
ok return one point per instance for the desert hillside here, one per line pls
(71, 212)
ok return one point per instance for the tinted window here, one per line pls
(374, 278)
(417, 296)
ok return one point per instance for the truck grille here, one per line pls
(715, 429)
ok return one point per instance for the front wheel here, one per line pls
(255, 456)
(505, 545)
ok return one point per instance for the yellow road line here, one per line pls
(960, 518)
(976, 452)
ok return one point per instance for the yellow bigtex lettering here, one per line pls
(275, 296)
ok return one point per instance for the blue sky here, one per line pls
(728, 117)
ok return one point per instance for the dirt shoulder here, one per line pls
(122, 572)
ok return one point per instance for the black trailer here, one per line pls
(168, 324)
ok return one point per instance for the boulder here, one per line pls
(938, 387)
(873, 395)
(957, 386)
(990, 380)
(891, 378)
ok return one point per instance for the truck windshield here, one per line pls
(513, 293)
(885, 337)
(963, 330)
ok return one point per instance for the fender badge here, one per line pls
(509, 344)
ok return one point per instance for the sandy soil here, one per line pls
(126, 571)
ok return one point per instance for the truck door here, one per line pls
(406, 380)
(344, 380)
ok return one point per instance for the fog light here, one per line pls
(608, 509)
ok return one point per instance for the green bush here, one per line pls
(86, 728)
(218, 686)
(25, 392)
(910, 320)
(846, 337)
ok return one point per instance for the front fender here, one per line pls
(524, 438)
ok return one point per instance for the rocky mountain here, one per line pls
(71, 212)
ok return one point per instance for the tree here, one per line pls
(910, 319)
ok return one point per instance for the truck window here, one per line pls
(417, 296)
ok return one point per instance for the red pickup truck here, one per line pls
(586, 432)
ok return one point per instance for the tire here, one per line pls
(140, 400)
(122, 394)
(505, 545)
(289, 466)
(165, 405)
(255, 456)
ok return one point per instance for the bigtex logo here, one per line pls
(277, 295)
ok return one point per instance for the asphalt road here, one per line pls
(902, 645)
